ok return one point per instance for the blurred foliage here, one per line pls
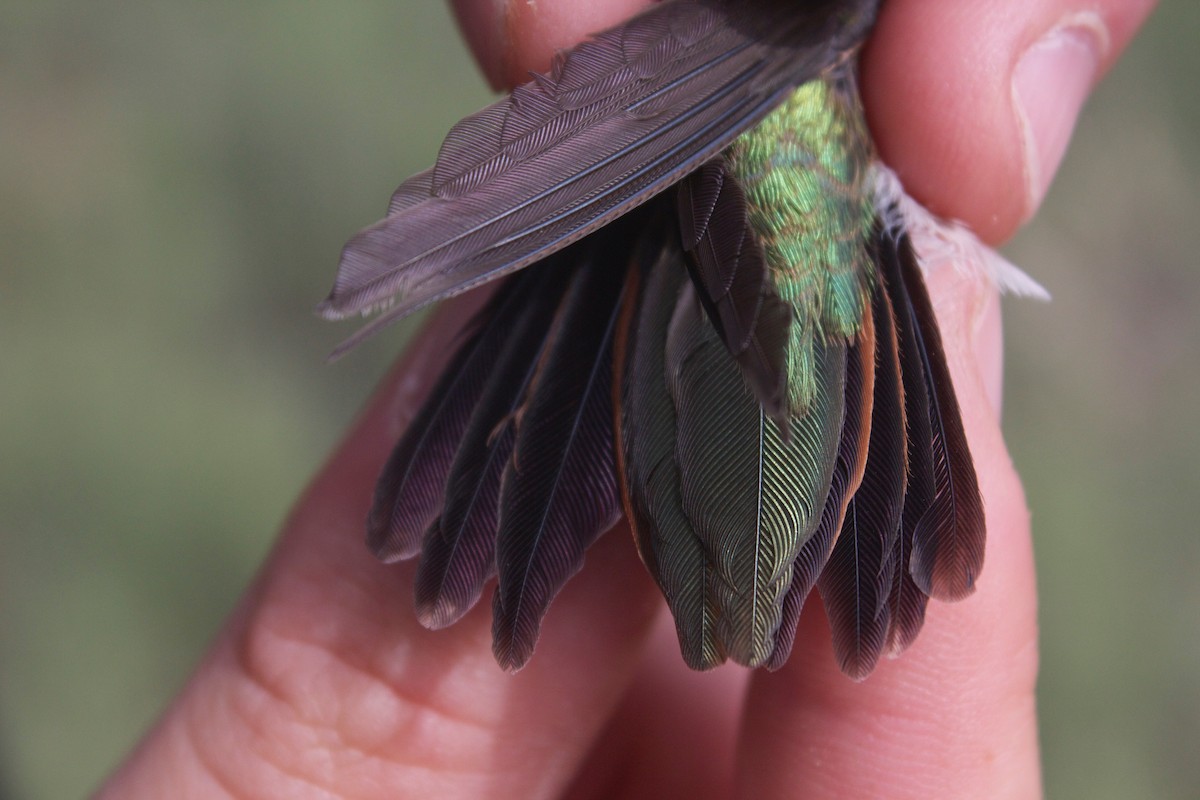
(175, 180)
(1102, 393)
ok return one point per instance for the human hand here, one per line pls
(323, 683)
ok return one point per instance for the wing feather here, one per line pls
(621, 117)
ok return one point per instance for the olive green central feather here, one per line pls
(805, 172)
(752, 494)
(666, 538)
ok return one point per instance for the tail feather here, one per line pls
(409, 493)
(847, 476)
(458, 554)
(948, 538)
(753, 494)
(867, 492)
(856, 583)
(667, 540)
(559, 489)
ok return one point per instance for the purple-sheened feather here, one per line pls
(619, 118)
(906, 602)
(458, 554)
(559, 489)
(948, 541)
(857, 581)
(729, 268)
(408, 495)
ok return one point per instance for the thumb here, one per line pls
(976, 125)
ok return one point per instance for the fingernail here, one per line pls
(1051, 81)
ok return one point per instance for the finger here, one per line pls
(954, 716)
(512, 37)
(674, 733)
(973, 103)
(325, 684)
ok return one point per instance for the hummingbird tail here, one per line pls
(868, 494)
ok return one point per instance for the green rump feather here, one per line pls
(806, 173)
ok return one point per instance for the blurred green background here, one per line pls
(175, 182)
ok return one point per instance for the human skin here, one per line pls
(322, 684)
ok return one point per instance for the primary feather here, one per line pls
(619, 118)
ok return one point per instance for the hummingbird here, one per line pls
(710, 318)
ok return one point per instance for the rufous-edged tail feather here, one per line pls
(856, 582)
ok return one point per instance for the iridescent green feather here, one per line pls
(753, 495)
(806, 174)
(669, 544)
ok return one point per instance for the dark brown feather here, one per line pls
(906, 601)
(948, 540)
(730, 271)
(458, 553)
(559, 489)
(857, 581)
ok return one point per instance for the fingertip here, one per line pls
(482, 24)
(942, 115)
(973, 103)
(510, 38)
